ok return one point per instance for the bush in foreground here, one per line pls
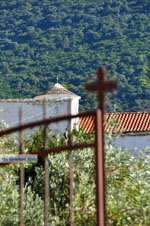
(128, 187)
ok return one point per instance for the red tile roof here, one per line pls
(119, 122)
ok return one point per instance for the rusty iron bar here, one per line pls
(71, 179)
(44, 122)
(46, 170)
(101, 86)
(65, 148)
(5, 163)
(21, 186)
(101, 210)
(100, 177)
(71, 190)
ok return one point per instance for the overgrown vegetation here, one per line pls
(128, 188)
(42, 39)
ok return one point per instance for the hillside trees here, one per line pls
(46, 38)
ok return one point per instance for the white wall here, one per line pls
(73, 109)
(33, 111)
(130, 142)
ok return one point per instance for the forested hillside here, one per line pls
(42, 39)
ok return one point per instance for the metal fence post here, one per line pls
(101, 86)
(71, 179)
(46, 169)
(21, 186)
(100, 175)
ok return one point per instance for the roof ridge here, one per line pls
(139, 112)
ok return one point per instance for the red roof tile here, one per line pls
(119, 122)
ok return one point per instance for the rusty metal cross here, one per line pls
(100, 86)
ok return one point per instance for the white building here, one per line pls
(133, 127)
(60, 101)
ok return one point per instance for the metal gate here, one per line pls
(100, 86)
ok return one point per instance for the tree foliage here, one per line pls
(43, 39)
(128, 187)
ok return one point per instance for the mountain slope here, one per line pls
(40, 40)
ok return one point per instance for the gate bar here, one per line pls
(21, 187)
(101, 86)
(46, 169)
(44, 122)
(71, 177)
(100, 175)
(65, 148)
